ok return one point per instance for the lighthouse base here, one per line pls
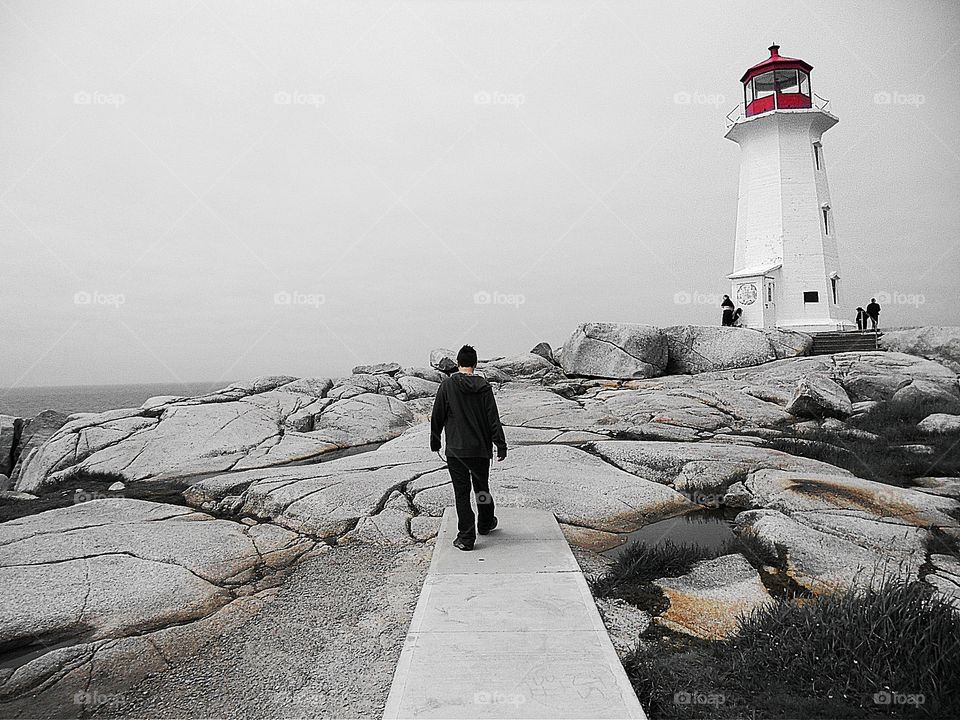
(762, 302)
(819, 326)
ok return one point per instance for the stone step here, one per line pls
(509, 629)
(828, 343)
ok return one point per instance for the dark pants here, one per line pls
(462, 471)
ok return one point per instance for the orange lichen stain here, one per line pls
(851, 497)
(707, 619)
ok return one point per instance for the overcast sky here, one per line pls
(216, 189)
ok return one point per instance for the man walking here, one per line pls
(873, 312)
(467, 411)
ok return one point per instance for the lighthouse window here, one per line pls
(826, 220)
(763, 85)
(811, 297)
(804, 83)
(817, 159)
(786, 81)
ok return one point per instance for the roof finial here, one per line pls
(774, 50)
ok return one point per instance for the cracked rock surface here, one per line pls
(577, 487)
(265, 423)
(700, 469)
(285, 584)
(78, 580)
(697, 349)
(324, 646)
(615, 350)
(837, 531)
(941, 344)
(323, 500)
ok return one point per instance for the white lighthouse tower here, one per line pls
(786, 268)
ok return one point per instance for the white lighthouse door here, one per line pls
(769, 303)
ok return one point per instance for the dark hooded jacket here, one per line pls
(466, 409)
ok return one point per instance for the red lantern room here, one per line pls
(777, 83)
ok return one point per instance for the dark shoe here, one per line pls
(487, 531)
(462, 545)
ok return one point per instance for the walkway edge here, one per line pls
(508, 630)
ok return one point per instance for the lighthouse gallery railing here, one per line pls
(739, 111)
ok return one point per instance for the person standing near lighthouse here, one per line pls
(726, 317)
(873, 312)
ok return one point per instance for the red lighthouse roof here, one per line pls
(777, 83)
(776, 61)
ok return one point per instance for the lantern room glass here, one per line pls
(763, 85)
(781, 88)
(786, 81)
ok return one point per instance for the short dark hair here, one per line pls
(467, 357)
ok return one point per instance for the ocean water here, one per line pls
(26, 402)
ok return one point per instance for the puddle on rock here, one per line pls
(710, 529)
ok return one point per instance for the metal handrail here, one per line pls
(817, 102)
(739, 110)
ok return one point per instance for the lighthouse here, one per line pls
(786, 269)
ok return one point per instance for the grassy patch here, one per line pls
(884, 458)
(631, 576)
(893, 651)
(79, 476)
(942, 543)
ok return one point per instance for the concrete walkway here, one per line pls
(509, 630)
